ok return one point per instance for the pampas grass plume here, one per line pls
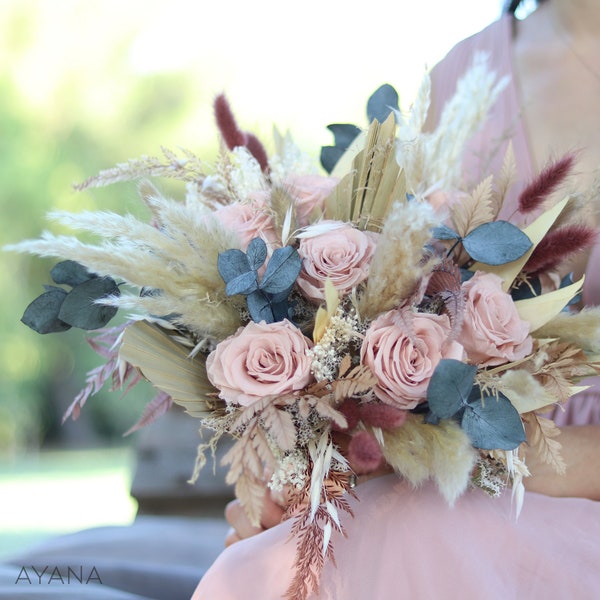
(397, 265)
(419, 451)
(581, 328)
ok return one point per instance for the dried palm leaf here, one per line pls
(169, 367)
(539, 310)
(366, 193)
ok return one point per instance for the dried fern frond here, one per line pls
(397, 264)
(541, 435)
(473, 210)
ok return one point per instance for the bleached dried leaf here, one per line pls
(280, 426)
(168, 366)
(543, 432)
(327, 411)
(473, 210)
(506, 177)
(250, 491)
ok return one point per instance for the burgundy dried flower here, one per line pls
(349, 408)
(545, 183)
(559, 245)
(381, 415)
(364, 453)
(234, 137)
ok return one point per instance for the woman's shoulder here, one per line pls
(493, 40)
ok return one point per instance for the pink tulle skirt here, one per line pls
(408, 544)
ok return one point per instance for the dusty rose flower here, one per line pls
(342, 254)
(404, 361)
(249, 220)
(309, 193)
(492, 331)
(260, 359)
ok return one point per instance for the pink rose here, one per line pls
(492, 331)
(403, 349)
(261, 359)
(249, 220)
(309, 193)
(342, 254)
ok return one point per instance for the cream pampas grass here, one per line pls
(176, 261)
(397, 265)
(433, 160)
(581, 328)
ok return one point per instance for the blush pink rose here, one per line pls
(402, 360)
(342, 254)
(309, 193)
(249, 220)
(260, 359)
(492, 331)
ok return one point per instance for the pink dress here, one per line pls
(407, 543)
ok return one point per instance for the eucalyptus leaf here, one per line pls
(281, 310)
(449, 387)
(232, 263)
(282, 270)
(565, 282)
(281, 297)
(246, 283)
(343, 134)
(443, 232)
(329, 157)
(465, 274)
(256, 253)
(79, 308)
(382, 102)
(70, 272)
(492, 423)
(42, 314)
(496, 243)
(259, 307)
(527, 289)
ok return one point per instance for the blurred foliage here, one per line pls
(62, 120)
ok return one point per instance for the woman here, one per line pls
(409, 544)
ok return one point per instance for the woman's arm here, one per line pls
(581, 453)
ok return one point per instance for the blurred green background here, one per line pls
(85, 84)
